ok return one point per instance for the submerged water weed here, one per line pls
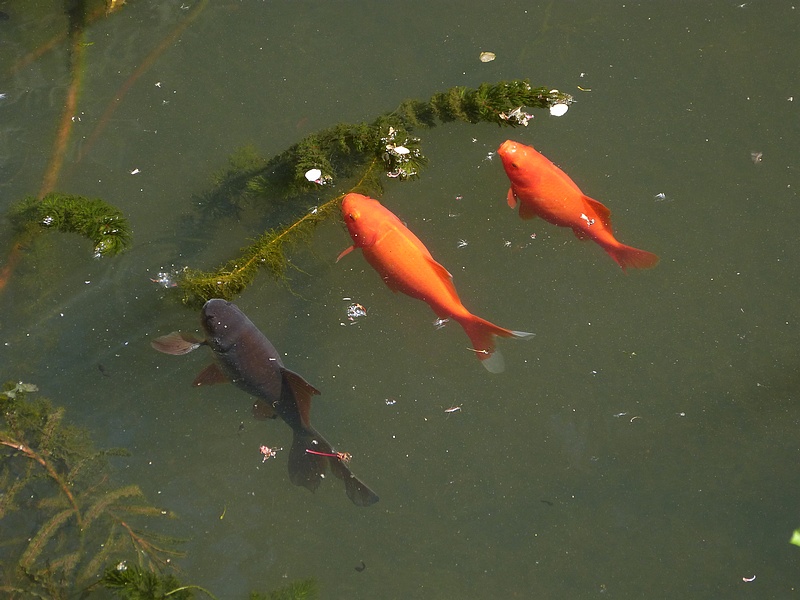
(343, 158)
(92, 218)
(53, 479)
(134, 583)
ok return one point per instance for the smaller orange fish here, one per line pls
(544, 190)
(406, 265)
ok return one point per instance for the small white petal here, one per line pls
(401, 150)
(313, 174)
(558, 110)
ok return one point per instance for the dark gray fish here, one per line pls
(246, 358)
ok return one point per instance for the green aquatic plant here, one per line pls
(357, 158)
(62, 519)
(134, 583)
(92, 218)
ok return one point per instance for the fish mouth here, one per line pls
(212, 314)
(507, 147)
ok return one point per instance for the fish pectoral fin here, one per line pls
(303, 391)
(344, 253)
(511, 198)
(211, 375)
(176, 343)
(600, 209)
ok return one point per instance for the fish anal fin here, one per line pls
(600, 210)
(211, 375)
(303, 391)
(176, 343)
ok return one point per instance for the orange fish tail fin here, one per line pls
(482, 333)
(627, 256)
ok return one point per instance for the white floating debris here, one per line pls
(439, 323)
(487, 56)
(559, 110)
(756, 157)
(401, 150)
(135, 172)
(516, 116)
(354, 311)
(313, 174)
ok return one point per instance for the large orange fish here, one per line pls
(406, 265)
(544, 190)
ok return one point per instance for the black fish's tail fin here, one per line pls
(307, 469)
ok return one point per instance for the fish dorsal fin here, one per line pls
(600, 210)
(511, 198)
(302, 394)
(211, 375)
(446, 278)
(443, 273)
(176, 343)
(345, 252)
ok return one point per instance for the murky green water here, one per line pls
(644, 444)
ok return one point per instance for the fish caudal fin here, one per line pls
(307, 469)
(628, 256)
(482, 333)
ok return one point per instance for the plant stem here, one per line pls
(30, 453)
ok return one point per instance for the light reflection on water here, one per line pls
(535, 486)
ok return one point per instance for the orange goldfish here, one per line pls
(406, 265)
(542, 189)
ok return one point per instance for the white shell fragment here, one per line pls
(313, 174)
(487, 56)
(558, 110)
